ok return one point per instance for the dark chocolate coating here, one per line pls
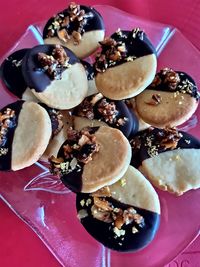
(130, 126)
(73, 180)
(183, 76)
(52, 115)
(103, 232)
(139, 46)
(6, 160)
(94, 23)
(34, 76)
(12, 73)
(89, 70)
(187, 141)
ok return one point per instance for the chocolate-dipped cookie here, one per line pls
(142, 125)
(25, 130)
(112, 112)
(63, 122)
(170, 100)
(92, 158)
(11, 71)
(126, 64)
(80, 28)
(92, 89)
(124, 216)
(168, 158)
(55, 76)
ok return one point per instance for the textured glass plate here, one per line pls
(42, 202)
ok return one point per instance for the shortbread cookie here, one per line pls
(92, 158)
(55, 76)
(25, 130)
(58, 138)
(142, 125)
(170, 159)
(92, 89)
(80, 28)
(124, 216)
(126, 64)
(114, 113)
(80, 123)
(11, 70)
(170, 100)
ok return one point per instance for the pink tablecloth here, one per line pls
(19, 245)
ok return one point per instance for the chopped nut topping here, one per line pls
(102, 108)
(176, 82)
(56, 121)
(69, 24)
(155, 100)
(107, 110)
(79, 148)
(7, 120)
(163, 139)
(54, 64)
(103, 210)
(116, 51)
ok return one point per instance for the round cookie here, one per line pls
(92, 158)
(126, 64)
(142, 125)
(168, 158)
(114, 113)
(124, 216)
(92, 89)
(11, 70)
(170, 100)
(25, 130)
(55, 76)
(58, 139)
(80, 28)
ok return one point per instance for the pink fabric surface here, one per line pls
(19, 245)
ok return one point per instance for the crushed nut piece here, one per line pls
(82, 214)
(54, 64)
(7, 120)
(155, 100)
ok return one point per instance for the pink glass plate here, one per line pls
(42, 202)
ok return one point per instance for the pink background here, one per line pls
(19, 245)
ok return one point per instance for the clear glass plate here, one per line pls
(42, 202)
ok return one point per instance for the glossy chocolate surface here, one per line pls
(137, 46)
(11, 71)
(34, 75)
(6, 160)
(103, 232)
(94, 22)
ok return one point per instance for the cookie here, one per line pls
(92, 158)
(25, 130)
(142, 125)
(126, 64)
(92, 89)
(114, 113)
(124, 216)
(80, 28)
(11, 71)
(55, 76)
(170, 100)
(58, 137)
(168, 158)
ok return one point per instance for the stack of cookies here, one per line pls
(108, 128)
